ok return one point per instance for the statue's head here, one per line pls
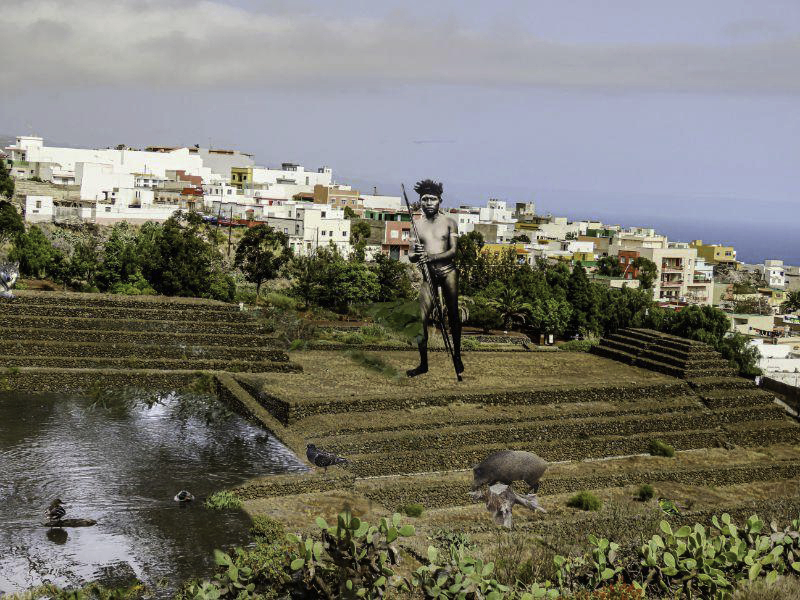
(430, 195)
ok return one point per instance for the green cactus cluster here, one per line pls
(352, 559)
(456, 575)
(707, 563)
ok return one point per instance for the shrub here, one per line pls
(469, 344)
(585, 501)
(280, 301)
(267, 528)
(661, 448)
(354, 339)
(578, 345)
(373, 331)
(783, 588)
(411, 510)
(646, 492)
(222, 500)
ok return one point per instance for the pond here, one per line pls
(121, 462)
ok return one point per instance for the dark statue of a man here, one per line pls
(436, 247)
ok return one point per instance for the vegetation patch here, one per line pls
(661, 448)
(645, 492)
(585, 501)
(223, 500)
(579, 345)
(411, 510)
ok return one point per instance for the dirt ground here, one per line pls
(329, 375)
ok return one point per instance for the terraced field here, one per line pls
(67, 340)
(594, 416)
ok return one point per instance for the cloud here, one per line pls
(184, 44)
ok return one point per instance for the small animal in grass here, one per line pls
(183, 497)
(8, 276)
(508, 466)
(321, 458)
(56, 511)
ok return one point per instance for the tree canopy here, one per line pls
(10, 220)
(261, 253)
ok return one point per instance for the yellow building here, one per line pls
(242, 177)
(338, 196)
(498, 250)
(714, 253)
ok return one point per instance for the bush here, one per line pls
(411, 510)
(585, 501)
(469, 344)
(646, 492)
(222, 500)
(354, 339)
(280, 301)
(373, 331)
(661, 448)
(267, 529)
(579, 345)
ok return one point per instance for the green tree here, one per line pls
(120, 263)
(468, 256)
(349, 213)
(359, 234)
(741, 354)
(609, 266)
(6, 181)
(393, 279)
(177, 261)
(792, 302)
(647, 272)
(551, 315)
(261, 253)
(582, 296)
(85, 261)
(755, 305)
(10, 220)
(510, 306)
(521, 238)
(702, 323)
(34, 252)
(326, 279)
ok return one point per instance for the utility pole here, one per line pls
(230, 228)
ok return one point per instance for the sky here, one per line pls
(680, 114)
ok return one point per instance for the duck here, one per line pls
(183, 496)
(56, 510)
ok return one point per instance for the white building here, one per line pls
(292, 174)
(377, 202)
(496, 211)
(30, 157)
(38, 209)
(775, 274)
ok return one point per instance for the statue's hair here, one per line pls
(429, 186)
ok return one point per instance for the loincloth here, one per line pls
(440, 272)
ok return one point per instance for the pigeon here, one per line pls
(321, 458)
(183, 496)
(55, 512)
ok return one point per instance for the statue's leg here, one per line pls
(450, 293)
(425, 306)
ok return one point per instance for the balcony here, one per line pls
(667, 268)
(672, 283)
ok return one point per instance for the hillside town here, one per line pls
(111, 185)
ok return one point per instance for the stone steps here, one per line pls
(166, 364)
(170, 349)
(34, 298)
(123, 312)
(33, 324)
(143, 338)
(453, 437)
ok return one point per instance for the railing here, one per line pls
(675, 283)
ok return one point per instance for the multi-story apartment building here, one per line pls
(715, 253)
(675, 282)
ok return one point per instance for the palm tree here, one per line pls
(792, 302)
(511, 307)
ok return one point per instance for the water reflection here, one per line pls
(121, 465)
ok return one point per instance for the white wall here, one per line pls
(38, 208)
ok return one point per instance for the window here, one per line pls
(108, 209)
(330, 233)
(38, 204)
(229, 191)
(323, 233)
(323, 214)
(286, 230)
(394, 234)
